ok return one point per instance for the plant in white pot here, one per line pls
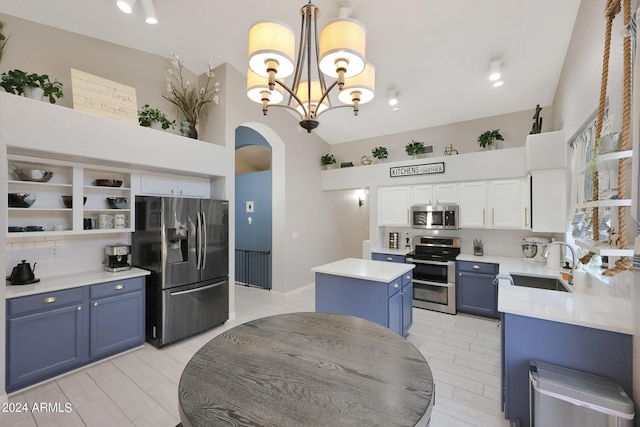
(414, 148)
(380, 153)
(36, 86)
(488, 139)
(154, 118)
(327, 160)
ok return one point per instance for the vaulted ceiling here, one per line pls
(436, 53)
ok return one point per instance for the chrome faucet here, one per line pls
(573, 256)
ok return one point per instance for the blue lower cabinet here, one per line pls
(117, 318)
(377, 256)
(47, 334)
(387, 304)
(475, 291)
(55, 332)
(599, 352)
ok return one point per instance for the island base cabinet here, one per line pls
(595, 351)
(46, 336)
(387, 304)
(116, 323)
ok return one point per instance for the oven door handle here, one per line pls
(442, 285)
(418, 261)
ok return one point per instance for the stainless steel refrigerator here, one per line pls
(184, 243)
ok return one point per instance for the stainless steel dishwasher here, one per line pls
(565, 397)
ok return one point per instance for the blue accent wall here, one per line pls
(255, 235)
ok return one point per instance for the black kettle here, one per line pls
(22, 273)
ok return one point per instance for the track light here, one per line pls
(495, 71)
(149, 12)
(126, 5)
(393, 99)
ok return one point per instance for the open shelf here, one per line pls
(606, 203)
(603, 248)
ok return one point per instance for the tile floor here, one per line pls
(140, 388)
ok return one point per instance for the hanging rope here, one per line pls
(611, 10)
(624, 263)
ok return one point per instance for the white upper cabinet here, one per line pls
(422, 194)
(549, 201)
(445, 193)
(473, 204)
(504, 204)
(175, 186)
(393, 206)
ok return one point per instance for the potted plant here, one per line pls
(31, 85)
(414, 148)
(191, 100)
(380, 153)
(154, 118)
(326, 160)
(488, 138)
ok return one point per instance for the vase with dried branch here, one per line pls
(191, 100)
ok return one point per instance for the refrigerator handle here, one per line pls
(204, 241)
(198, 243)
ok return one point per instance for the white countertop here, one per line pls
(67, 281)
(591, 309)
(378, 271)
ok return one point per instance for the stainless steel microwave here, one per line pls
(435, 217)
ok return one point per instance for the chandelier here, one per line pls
(337, 52)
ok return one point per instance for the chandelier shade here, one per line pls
(359, 89)
(337, 52)
(258, 89)
(271, 42)
(311, 98)
(342, 47)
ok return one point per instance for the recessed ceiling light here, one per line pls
(498, 83)
(393, 98)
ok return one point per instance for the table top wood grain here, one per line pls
(306, 369)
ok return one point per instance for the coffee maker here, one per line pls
(117, 258)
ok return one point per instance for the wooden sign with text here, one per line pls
(102, 97)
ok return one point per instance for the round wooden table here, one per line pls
(307, 369)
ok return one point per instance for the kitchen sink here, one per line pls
(550, 283)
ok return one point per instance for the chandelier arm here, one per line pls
(301, 56)
(288, 107)
(323, 84)
(325, 93)
(335, 107)
(292, 95)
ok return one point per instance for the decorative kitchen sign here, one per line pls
(102, 97)
(425, 169)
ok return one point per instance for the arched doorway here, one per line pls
(254, 210)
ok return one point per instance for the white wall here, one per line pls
(577, 98)
(514, 127)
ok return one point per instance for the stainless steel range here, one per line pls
(434, 283)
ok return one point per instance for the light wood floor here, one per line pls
(140, 388)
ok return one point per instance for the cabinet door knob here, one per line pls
(476, 267)
(119, 287)
(49, 300)
(95, 304)
(79, 308)
(408, 277)
(396, 286)
(389, 258)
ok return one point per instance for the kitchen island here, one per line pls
(379, 291)
(590, 332)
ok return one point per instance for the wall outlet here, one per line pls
(56, 250)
